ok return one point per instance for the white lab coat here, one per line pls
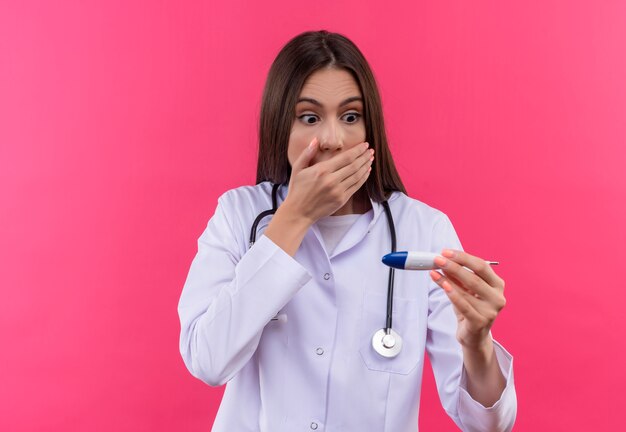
(315, 368)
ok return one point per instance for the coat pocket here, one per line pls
(405, 322)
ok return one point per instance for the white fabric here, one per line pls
(333, 228)
(317, 368)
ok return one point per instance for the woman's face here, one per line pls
(330, 107)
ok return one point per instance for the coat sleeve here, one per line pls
(228, 298)
(446, 357)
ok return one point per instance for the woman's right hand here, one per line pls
(316, 191)
(321, 189)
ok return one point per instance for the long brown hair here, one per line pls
(299, 58)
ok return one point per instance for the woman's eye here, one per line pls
(308, 118)
(352, 117)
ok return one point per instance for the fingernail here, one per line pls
(312, 144)
(447, 253)
(366, 145)
(446, 286)
(440, 261)
(435, 275)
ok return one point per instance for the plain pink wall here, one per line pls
(121, 122)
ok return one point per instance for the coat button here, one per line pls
(313, 425)
(326, 276)
(319, 351)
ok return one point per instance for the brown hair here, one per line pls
(300, 57)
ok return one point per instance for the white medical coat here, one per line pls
(315, 368)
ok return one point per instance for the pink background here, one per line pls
(122, 122)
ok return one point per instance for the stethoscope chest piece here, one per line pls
(387, 343)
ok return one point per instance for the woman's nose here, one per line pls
(331, 138)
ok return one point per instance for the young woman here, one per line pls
(287, 300)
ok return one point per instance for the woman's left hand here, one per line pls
(477, 297)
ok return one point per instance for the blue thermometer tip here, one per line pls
(395, 259)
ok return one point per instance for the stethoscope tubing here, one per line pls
(390, 285)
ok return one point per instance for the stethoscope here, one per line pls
(386, 341)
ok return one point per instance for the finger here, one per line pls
(305, 158)
(460, 284)
(467, 280)
(461, 301)
(478, 313)
(339, 161)
(487, 309)
(362, 176)
(478, 265)
(440, 278)
(365, 159)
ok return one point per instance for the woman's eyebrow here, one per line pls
(345, 102)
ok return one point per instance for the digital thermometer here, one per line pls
(413, 260)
